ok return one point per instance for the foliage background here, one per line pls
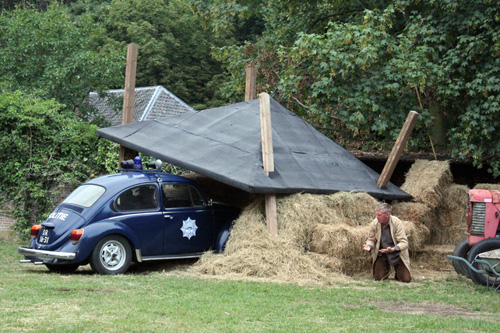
(353, 69)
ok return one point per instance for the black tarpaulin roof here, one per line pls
(225, 144)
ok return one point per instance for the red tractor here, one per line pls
(483, 235)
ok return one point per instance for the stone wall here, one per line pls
(6, 220)
(6, 208)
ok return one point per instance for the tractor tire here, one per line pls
(485, 245)
(461, 251)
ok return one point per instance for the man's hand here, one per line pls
(367, 248)
(388, 250)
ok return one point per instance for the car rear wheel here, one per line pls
(112, 255)
(70, 268)
(461, 251)
(485, 245)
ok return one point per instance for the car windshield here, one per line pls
(85, 195)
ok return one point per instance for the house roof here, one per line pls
(225, 144)
(149, 103)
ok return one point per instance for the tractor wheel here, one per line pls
(461, 251)
(485, 245)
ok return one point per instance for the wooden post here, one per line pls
(271, 214)
(268, 160)
(266, 133)
(128, 97)
(250, 82)
(397, 150)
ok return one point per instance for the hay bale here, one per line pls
(352, 208)
(487, 187)
(298, 213)
(433, 257)
(416, 212)
(426, 181)
(454, 206)
(346, 242)
(343, 242)
(417, 234)
(252, 252)
(451, 215)
(448, 235)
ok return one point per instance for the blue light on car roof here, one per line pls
(138, 163)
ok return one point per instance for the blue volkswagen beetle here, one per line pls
(134, 215)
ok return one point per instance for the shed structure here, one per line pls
(225, 144)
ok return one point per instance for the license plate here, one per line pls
(44, 237)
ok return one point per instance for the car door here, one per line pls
(189, 226)
(140, 210)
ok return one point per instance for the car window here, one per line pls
(85, 195)
(144, 197)
(177, 195)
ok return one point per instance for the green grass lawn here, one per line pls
(152, 300)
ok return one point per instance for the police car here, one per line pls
(134, 215)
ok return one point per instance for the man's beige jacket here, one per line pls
(398, 236)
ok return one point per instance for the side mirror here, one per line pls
(210, 203)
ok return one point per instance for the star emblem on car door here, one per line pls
(189, 228)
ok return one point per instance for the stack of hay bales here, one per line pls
(320, 237)
(438, 203)
(252, 252)
(452, 215)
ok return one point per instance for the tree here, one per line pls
(44, 148)
(49, 63)
(56, 57)
(174, 50)
(362, 65)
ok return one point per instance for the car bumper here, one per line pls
(46, 254)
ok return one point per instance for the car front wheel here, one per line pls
(112, 255)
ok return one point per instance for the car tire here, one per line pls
(222, 237)
(112, 255)
(483, 246)
(70, 268)
(461, 251)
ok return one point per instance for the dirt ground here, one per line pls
(435, 309)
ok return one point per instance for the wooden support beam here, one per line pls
(268, 160)
(250, 82)
(266, 133)
(271, 214)
(397, 150)
(128, 97)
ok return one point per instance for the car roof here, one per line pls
(130, 178)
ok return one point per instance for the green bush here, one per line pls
(45, 147)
